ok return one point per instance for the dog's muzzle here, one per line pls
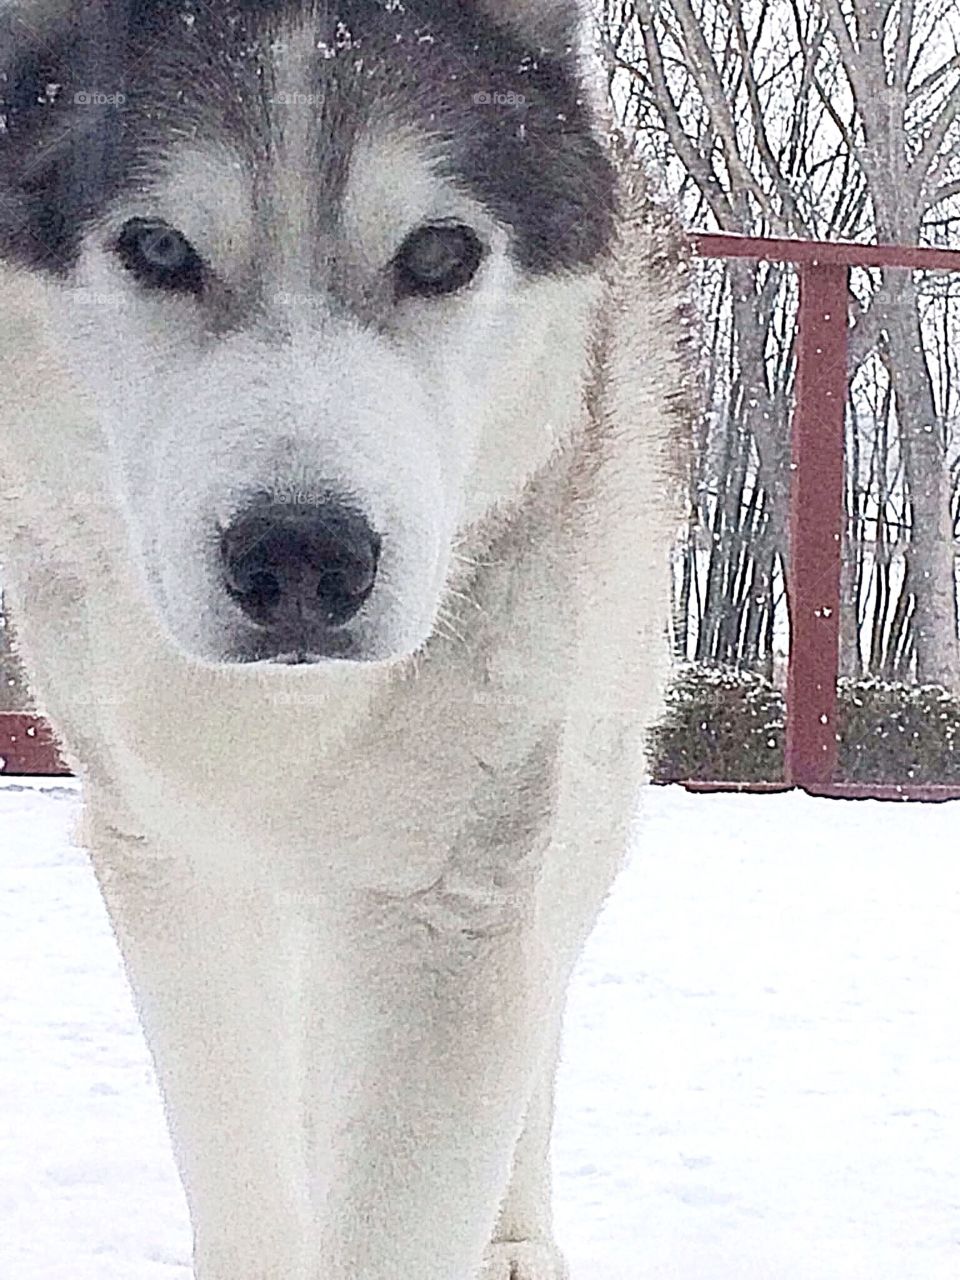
(300, 574)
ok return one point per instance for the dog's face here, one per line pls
(322, 272)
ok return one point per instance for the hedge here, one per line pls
(728, 726)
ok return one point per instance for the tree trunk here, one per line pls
(931, 550)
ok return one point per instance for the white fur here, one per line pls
(349, 897)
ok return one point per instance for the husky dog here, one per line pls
(340, 382)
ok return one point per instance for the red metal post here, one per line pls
(28, 748)
(816, 523)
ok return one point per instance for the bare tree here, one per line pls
(836, 118)
(901, 63)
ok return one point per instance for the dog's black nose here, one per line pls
(300, 569)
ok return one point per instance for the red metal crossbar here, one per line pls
(816, 515)
(825, 253)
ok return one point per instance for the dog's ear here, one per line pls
(31, 108)
(50, 59)
(548, 24)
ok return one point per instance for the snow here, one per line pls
(762, 1064)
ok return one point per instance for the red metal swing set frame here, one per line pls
(28, 747)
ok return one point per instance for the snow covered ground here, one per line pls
(762, 1075)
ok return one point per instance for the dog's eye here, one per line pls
(437, 259)
(160, 257)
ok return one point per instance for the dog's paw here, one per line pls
(524, 1260)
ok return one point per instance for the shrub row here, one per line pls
(728, 726)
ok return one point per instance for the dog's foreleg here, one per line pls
(523, 1245)
(210, 976)
(446, 1041)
